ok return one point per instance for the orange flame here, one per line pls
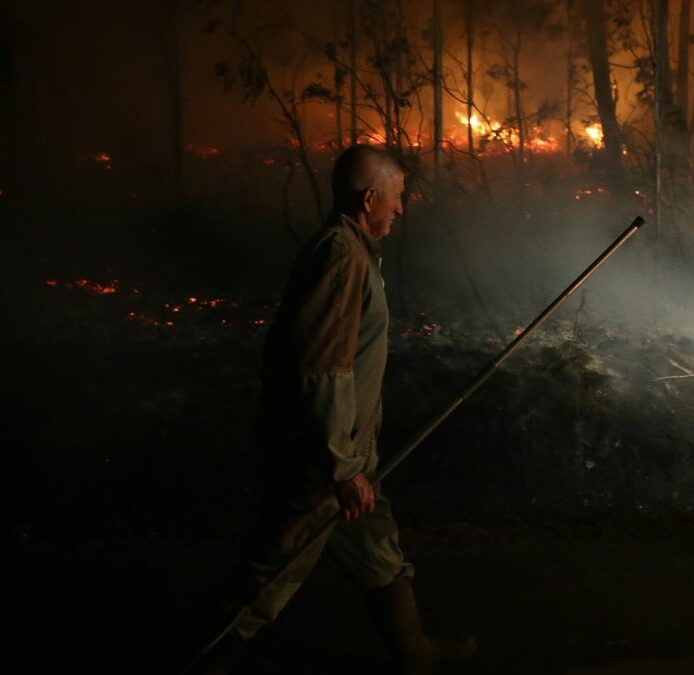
(594, 133)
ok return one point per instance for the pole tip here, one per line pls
(638, 221)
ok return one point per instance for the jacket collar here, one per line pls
(369, 242)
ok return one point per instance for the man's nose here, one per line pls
(398, 208)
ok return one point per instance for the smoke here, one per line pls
(507, 260)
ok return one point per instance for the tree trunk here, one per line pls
(398, 76)
(388, 108)
(683, 60)
(517, 100)
(172, 57)
(353, 130)
(437, 34)
(469, 83)
(597, 47)
(285, 201)
(337, 81)
(663, 99)
(315, 188)
(338, 107)
(570, 76)
(383, 58)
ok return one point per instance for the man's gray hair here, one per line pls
(358, 168)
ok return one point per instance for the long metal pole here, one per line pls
(475, 383)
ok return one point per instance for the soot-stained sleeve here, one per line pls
(326, 332)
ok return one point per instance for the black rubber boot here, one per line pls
(395, 614)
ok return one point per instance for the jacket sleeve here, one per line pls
(325, 336)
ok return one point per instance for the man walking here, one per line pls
(323, 367)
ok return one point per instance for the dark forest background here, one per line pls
(163, 162)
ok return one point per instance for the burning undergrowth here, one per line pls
(142, 421)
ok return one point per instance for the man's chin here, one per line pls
(381, 232)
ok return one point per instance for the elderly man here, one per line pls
(323, 369)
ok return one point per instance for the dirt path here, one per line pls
(570, 601)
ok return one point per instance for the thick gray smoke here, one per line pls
(510, 264)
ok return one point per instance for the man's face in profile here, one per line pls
(386, 204)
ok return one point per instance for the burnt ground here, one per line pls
(572, 600)
(551, 516)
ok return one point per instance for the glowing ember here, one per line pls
(431, 329)
(427, 329)
(102, 157)
(86, 285)
(518, 331)
(589, 192)
(185, 308)
(101, 289)
(202, 152)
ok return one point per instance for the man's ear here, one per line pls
(368, 199)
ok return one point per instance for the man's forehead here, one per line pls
(398, 177)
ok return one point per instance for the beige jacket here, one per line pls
(325, 355)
